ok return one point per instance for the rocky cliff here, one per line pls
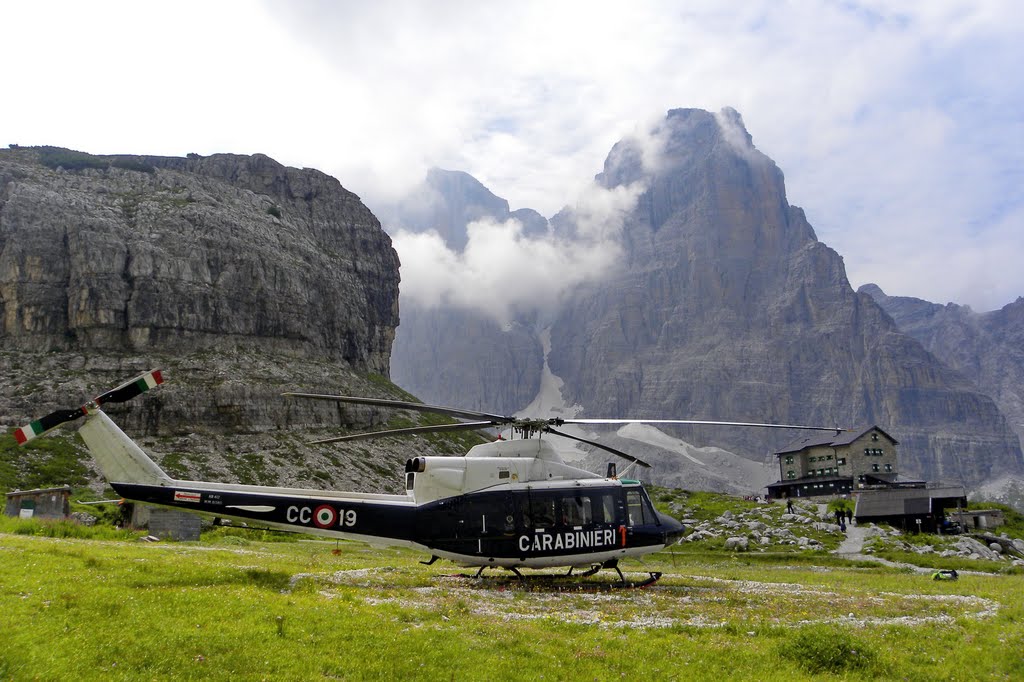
(727, 307)
(192, 253)
(238, 276)
(987, 348)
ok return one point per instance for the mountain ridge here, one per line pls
(987, 348)
(726, 306)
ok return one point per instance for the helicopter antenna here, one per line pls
(625, 472)
(607, 448)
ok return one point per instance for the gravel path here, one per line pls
(852, 548)
(854, 542)
(853, 545)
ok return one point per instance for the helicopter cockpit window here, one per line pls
(639, 508)
(635, 508)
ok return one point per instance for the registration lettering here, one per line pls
(570, 540)
(324, 516)
(300, 514)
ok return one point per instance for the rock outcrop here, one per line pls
(239, 277)
(462, 358)
(195, 253)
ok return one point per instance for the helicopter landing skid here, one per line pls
(564, 582)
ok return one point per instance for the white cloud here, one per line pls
(898, 126)
(502, 272)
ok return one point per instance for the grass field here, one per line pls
(240, 609)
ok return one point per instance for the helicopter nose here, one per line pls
(673, 529)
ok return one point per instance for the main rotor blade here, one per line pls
(704, 423)
(607, 448)
(412, 430)
(404, 405)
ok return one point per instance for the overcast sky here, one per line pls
(900, 131)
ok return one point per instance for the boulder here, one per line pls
(737, 544)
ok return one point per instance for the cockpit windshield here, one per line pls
(639, 509)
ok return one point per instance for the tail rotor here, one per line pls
(123, 393)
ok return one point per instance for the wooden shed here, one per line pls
(42, 503)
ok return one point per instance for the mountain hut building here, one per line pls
(863, 463)
(836, 464)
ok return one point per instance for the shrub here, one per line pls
(839, 504)
(828, 650)
(70, 160)
(63, 529)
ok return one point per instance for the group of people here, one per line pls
(843, 516)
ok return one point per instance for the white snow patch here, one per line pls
(550, 403)
(645, 433)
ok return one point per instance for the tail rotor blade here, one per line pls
(122, 393)
(44, 424)
(131, 389)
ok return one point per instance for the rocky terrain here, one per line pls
(768, 527)
(239, 277)
(762, 527)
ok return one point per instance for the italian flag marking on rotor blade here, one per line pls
(27, 433)
(44, 424)
(122, 393)
(131, 389)
(149, 380)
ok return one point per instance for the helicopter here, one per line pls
(508, 504)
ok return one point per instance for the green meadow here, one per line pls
(253, 607)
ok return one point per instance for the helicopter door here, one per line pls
(492, 515)
(486, 524)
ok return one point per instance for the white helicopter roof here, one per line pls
(523, 447)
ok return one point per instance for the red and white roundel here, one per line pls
(325, 516)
